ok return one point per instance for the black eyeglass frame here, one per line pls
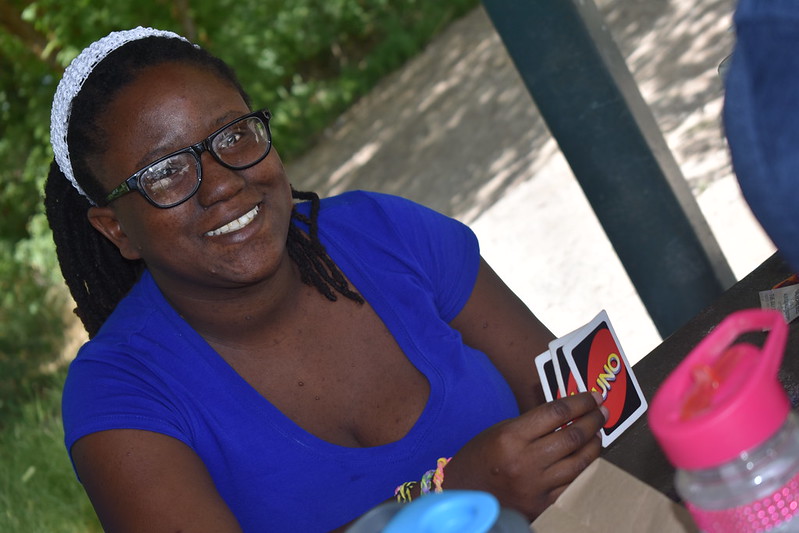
(132, 183)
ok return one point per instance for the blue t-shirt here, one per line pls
(148, 369)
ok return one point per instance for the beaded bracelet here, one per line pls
(438, 477)
(403, 492)
(427, 480)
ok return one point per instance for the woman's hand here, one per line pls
(523, 461)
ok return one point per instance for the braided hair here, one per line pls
(96, 274)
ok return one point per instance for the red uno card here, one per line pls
(595, 359)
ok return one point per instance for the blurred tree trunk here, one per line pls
(12, 22)
(182, 13)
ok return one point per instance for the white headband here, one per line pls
(70, 85)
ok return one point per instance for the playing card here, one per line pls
(546, 373)
(562, 370)
(596, 359)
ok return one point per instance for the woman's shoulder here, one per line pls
(142, 361)
(367, 208)
(369, 202)
(142, 319)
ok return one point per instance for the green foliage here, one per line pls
(38, 490)
(32, 310)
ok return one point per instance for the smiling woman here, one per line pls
(81, 101)
(226, 386)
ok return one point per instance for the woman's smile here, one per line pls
(199, 244)
(236, 224)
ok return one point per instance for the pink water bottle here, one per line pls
(725, 422)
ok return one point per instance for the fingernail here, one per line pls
(604, 411)
(597, 397)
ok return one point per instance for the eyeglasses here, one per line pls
(174, 178)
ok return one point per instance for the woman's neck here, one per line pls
(234, 315)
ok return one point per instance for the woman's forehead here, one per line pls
(167, 107)
(176, 97)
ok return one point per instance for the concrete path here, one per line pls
(456, 130)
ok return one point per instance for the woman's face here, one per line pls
(193, 246)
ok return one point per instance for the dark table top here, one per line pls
(636, 451)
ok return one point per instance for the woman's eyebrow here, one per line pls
(230, 116)
(157, 152)
(160, 150)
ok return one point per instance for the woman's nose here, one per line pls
(219, 183)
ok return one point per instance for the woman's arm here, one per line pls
(496, 322)
(523, 461)
(144, 481)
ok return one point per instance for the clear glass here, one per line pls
(755, 474)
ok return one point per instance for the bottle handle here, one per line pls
(688, 434)
(748, 321)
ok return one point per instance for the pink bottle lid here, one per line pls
(724, 398)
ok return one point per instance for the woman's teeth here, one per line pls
(237, 224)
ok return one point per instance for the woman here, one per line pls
(258, 364)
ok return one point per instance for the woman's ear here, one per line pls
(104, 220)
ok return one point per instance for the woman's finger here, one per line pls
(571, 437)
(555, 493)
(550, 416)
(565, 470)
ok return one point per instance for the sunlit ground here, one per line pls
(457, 130)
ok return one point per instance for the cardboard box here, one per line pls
(606, 499)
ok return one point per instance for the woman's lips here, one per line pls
(237, 224)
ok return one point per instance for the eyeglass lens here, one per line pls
(175, 178)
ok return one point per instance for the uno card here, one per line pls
(562, 370)
(596, 359)
(546, 373)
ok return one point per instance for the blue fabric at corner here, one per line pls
(761, 116)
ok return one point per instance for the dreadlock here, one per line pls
(316, 267)
(96, 274)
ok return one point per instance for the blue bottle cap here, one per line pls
(452, 511)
